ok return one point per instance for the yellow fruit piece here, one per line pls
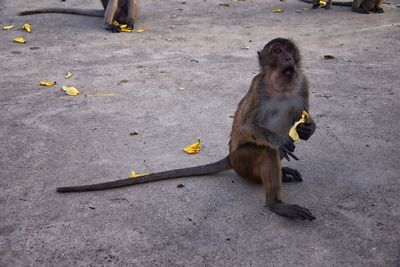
(26, 27)
(19, 40)
(293, 133)
(123, 26)
(322, 3)
(134, 175)
(277, 10)
(9, 27)
(115, 23)
(72, 91)
(47, 83)
(193, 148)
(69, 75)
(126, 30)
(141, 30)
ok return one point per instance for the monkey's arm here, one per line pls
(263, 136)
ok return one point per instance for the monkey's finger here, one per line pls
(292, 155)
(284, 154)
(304, 213)
(304, 130)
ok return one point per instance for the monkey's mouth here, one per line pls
(289, 71)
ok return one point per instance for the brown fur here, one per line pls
(275, 100)
(253, 152)
(123, 11)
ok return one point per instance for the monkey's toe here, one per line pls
(291, 175)
(112, 28)
(378, 10)
(292, 211)
(130, 24)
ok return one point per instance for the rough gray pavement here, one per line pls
(350, 166)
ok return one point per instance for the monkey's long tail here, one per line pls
(218, 166)
(74, 11)
(347, 3)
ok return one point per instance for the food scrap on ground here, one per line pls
(48, 83)
(193, 148)
(71, 91)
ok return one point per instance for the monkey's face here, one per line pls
(281, 57)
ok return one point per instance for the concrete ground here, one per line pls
(130, 82)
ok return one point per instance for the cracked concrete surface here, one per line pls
(350, 166)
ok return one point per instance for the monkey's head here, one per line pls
(280, 56)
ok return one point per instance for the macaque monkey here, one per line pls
(123, 11)
(360, 6)
(259, 137)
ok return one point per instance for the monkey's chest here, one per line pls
(279, 116)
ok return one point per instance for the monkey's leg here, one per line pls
(133, 5)
(290, 175)
(271, 174)
(316, 4)
(360, 10)
(377, 8)
(109, 16)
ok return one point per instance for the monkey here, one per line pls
(122, 11)
(259, 137)
(360, 6)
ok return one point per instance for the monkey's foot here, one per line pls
(112, 28)
(290, 175)
(315, 6)
(291, 211)
(130, 24)
(360, 10)
(378, 10)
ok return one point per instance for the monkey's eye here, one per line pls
(278, 51)
(289, 49)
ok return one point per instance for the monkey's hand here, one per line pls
(286, 147)
(305, 130)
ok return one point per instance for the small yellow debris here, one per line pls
(277, 10)
(19, 40)
(322, 3)
(193, 148)
(306, 8)
(134, 175)
(181, 88)
(69, 75)
(173, 16)
(72, 91)
(26, 27)
(141, 30)
(104, 94)
(293, 133)
(172, 26)
(48, 83)
(9, 27)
